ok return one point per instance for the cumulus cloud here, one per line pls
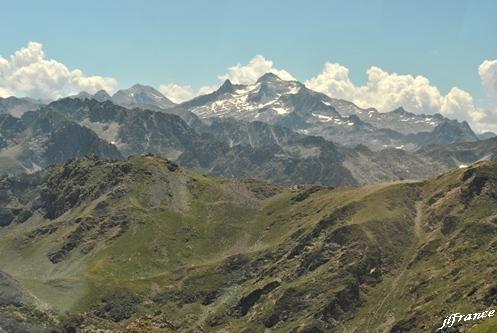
(248, 74)
(383, 90)
(177, 93)
(5, 92)
(488, 75)
(334, 81)
(459, 104)
(28, 71)
(238, 74)
(387, 91)
(180, 93)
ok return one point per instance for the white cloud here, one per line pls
(383, 90)
(180, 93)
(488, 75)
(29, 72)
(207, 89)
(238, 74)
(248, 74)
(387, 91)
(459, 104)
(176, 92)
(4, 92)
(334, 81)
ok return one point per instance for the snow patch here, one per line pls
(323, 117)
(280, 110)
(294, 90)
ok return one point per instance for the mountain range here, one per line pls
(291, 104)
(137, 96)
(218, 146)
(17, 106)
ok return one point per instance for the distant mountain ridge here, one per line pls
(143, 97)
(18, 106)
(287, 143)
(291, 104)
(225, 146)
(137, 96)
(41, 138)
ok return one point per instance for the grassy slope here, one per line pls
(224, 255)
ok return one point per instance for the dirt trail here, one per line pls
(418, 221)
(411, 254)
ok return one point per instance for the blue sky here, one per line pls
(193, 42)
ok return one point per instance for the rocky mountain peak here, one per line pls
(102, 96)
(226, 87)
(142, 96)
(269, 77)
(82, 95)
(400, 110)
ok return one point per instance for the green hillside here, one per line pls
(142, 245)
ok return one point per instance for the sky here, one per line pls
(429, 56)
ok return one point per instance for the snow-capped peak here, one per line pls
(142, 96)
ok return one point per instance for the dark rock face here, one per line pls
(290, 303)
(118, 306)
(10, 126)
(345, 301)
(248, 301)
(70, 185)
(305, 194)
(6, 217)
(13, 215)
(449, 131)
(73, 141)
(136, 131)
(51, 139)
(171, 166)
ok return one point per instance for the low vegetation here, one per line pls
(144, 245)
